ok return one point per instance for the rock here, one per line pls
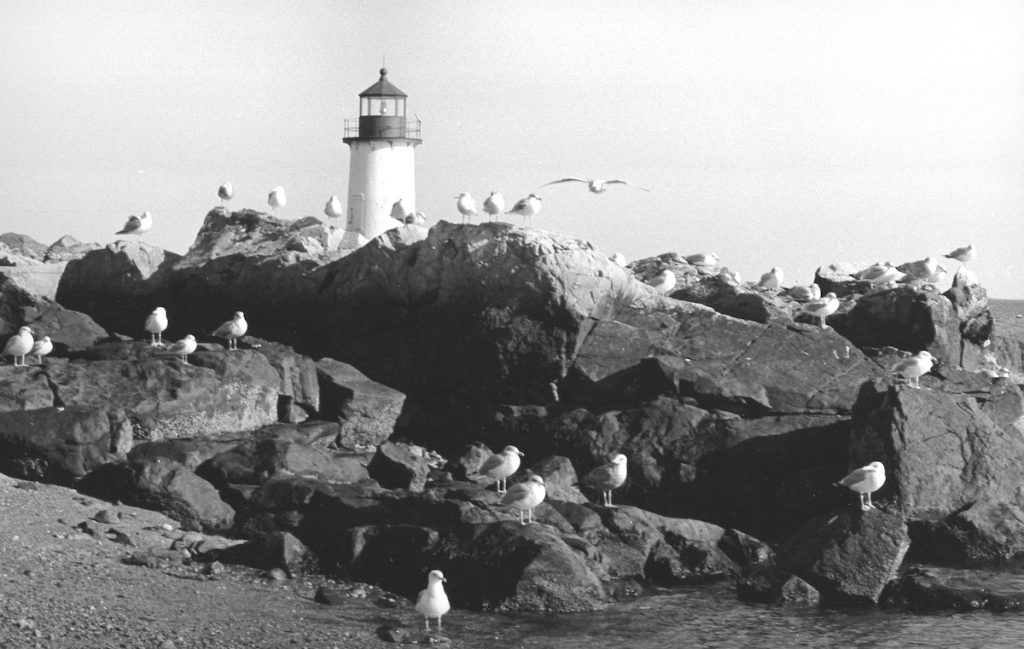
(366, 409)
(24, 245)
(400, 466)
(274, 550)
(955, 473)
(24, 388)
(61, 444)
(217, 393)
(24, 302)
(119, 285)
(163, 485)
(848, 557)
(67, 248)
(189, 452)
(906, 318)
(767, 585)
(840, 278)
(930, 589)
(300, 389)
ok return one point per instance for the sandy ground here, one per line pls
(63, 587)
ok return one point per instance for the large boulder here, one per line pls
(119, 285)
(366, 410)
(253, 262)
(930, 589)
(218, 393)
(26, 303)
(954, 454)
(61, 444)
(300, 388)
(848, 557)
(163, 485)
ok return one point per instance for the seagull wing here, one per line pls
(625, 182)
(516, 493)
(600, 477)
(492, 463)
(131, 225)
(566, 180)
(856, 476)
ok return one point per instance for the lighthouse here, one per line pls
(382, 167)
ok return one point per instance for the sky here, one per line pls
(773, 133)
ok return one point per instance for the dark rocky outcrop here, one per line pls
(164, 485)
(61, 444)
(848, 557)
(955, 457)
(366, 410)
(929, 589)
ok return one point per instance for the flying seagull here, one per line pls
(596, 185)
(963, 255)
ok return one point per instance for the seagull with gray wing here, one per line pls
(596, 185)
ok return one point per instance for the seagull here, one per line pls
(466, 206)
(915, 367)
(595, 185)
(864, 481)
(963, 255)
(399, 211)
(888, 276)
(772, 279)
(419, 218)
(277, 199)
(432, 600)
(183, 348)
(501, 465)
(822, 308)
(19, 345)
(494, 205)
(802, 293)
(703, 260)
(607, 477)
(333, 208)
(619, 259)
(137, 225)
(664, 281)
(226, 193)
(525, 496)
(41, 348)
(918, 271)
(156, 323)
(527, 207)
(233, 329)
(937, 276)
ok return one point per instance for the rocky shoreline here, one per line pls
(343, 441)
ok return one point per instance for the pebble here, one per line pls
(105, 516)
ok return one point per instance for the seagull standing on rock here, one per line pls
(432, 600)
(619, 259)
(913, 368)
(233, 329)
(607, 477)
(333, 208)
(137, 224)
(525, 496)
(595, 185)
(466, 206)
(822, 308)
(183, 348)
(19, 345)
(399, 211)
(156, 323)
(664, 281)
(771, 280)
(502, 465)
(802, 293)
(527, 207)
(864, 481)
(226, 193)
(705, 260)
(277, 199)
(41, 348)
(494, 205)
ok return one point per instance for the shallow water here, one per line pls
(710, 616)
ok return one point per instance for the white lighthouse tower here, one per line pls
(382, 168)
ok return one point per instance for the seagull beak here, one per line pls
(521, 454)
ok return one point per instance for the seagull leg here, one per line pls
(426, 622)
(438, 622)
(522, 521)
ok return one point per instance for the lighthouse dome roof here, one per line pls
(383, 87)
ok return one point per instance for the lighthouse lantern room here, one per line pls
(382, 168)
